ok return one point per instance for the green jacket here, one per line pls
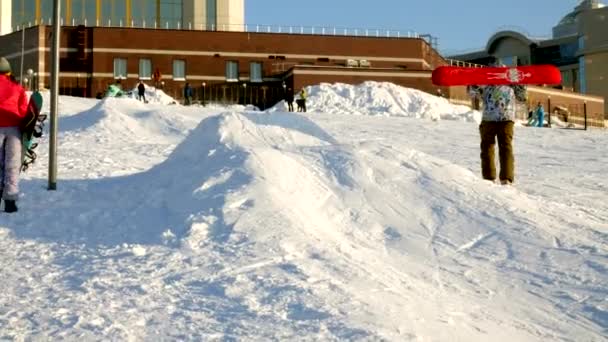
(114, 91)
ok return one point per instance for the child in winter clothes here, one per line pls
(497, 123)
(540, 115)
(13, 108)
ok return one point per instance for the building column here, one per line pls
(6, 17)
(68, 12)
(37, 11)
(128, 13)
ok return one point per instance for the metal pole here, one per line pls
(54, 96)
(22, 54)
(549, 111)
(585, 111)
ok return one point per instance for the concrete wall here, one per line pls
(231, 15)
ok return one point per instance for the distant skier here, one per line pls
(497, 122)
(13, 109)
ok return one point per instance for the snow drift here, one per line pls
(194, 223)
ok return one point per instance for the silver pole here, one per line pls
(54, 95)
(22, 54)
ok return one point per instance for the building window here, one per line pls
(581, 42)
(171, 15)
(255, 72)
(145, 69)
(232, 71)
(179, 70)
(120, 68)
(581, 75)
(211, 15)
(509, 60)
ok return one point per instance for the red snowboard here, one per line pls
(533, 74)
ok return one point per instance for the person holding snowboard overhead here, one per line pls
(13, 109)
(499, 107)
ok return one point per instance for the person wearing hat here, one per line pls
(13, 108)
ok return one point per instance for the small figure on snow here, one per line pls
(187, 94)
(289, 99)
(141, 91)
(540, 115)
(301, 102)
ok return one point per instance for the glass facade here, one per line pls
(137, 13)
(211, 11)
(171, 14)
(581, 75)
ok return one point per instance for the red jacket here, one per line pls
(13, 103)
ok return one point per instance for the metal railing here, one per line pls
(252, 28)
(454, 62)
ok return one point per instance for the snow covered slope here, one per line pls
(190, 223)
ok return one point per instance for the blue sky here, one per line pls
(459, 24)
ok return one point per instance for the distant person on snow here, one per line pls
(301, 102)
(187, 94)
(289, 99)
(141, 91)
(540, 115)
(13, 108)
(497, 122)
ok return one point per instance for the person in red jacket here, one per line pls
(13, 108)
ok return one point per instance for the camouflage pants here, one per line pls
(10, 162)
(503, 132)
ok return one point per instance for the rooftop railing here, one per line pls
(290, 29)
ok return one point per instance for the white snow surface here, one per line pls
(211, 223)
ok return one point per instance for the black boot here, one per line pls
(10, 206)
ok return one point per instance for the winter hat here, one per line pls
(5, 66)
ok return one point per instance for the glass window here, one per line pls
(145, 69)
(509, 61)
(581, 42)
(255, 72)
(143, 13)
(89, 13)
(23, 12)
(232, 71)
(120, 68)
(211, 15)
(113, 12)
(171, 14)
(179, 70)
(581, 75)
(46, 11)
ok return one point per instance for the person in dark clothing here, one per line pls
(187, 94)
(141, 91)
(289, 99)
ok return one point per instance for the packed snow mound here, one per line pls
(153, 95)
(383, 98)
(126, 117)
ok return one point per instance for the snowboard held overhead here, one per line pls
(463, 76)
